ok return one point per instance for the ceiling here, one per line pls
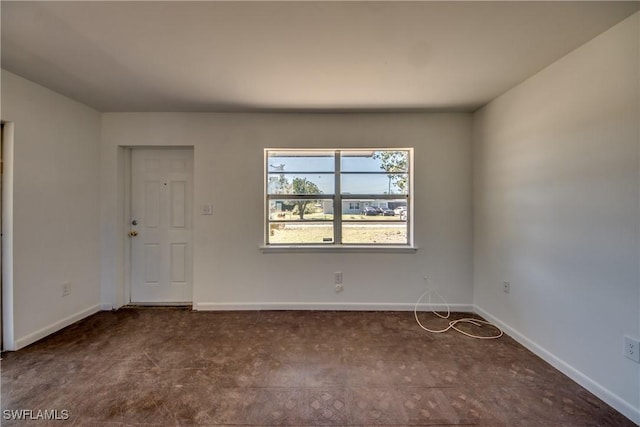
(293, 56)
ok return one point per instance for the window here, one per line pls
(338, 197)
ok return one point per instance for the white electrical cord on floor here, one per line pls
(453, 323)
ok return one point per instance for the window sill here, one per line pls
(338, 248)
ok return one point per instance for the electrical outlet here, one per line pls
(338, 277)
(632, 349)
(339, 287)
(506, 287)
(66, 289)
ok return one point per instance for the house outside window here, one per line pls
(338, 197)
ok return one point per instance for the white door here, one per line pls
(161, 225)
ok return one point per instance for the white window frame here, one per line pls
(338, 198)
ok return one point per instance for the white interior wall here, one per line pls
(230, 270)
(55, 208)
(556, 212)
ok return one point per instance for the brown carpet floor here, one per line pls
(295, 368)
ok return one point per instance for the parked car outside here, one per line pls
(370, 211)
(400, 209)
(388, 212)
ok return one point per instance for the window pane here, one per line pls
(373, 198)
(296, 210)
(379, 233)
(298, 233)
(297, 161)
(374, 210)
(374, 161)
(374, 183)
(304, 184)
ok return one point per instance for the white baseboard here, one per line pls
(54, 327)
(347, 306)
(612, 399)
(106, 307)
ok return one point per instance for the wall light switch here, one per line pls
(207, 210)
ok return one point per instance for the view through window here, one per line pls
(338, 197)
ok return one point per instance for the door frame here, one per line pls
(127, 175)
(8, 337)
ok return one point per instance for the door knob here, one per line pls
(133, 233)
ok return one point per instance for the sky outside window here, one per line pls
(351, 161)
